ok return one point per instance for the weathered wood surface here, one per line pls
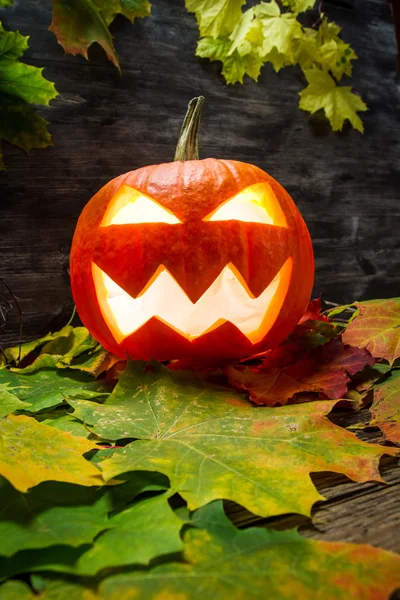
(104, 124)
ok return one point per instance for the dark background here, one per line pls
(104, 124)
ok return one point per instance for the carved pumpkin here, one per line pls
(196, 259)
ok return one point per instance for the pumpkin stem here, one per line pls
(188, 143)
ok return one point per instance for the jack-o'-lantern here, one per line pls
(196, 259)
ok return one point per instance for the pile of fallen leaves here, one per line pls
(113, 474)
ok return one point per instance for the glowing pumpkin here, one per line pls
(191, 259)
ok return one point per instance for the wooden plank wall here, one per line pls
(104, 124)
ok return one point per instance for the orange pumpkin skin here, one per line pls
(194, 252)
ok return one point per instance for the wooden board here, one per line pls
(104, 124)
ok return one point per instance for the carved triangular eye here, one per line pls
(130, 206)
(255, 204)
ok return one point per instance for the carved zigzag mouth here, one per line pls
(227, 299)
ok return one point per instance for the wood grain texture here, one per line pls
(103, 124)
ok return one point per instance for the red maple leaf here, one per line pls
(325, 370)
(313, 312)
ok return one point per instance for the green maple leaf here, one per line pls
(277, 59)
(49, 387)
(279, 30)
(16, 589)
(131, 9)
(246, 33)
(65, 350)
(234, 66)
(299, 6)
(21, 85)
(212, 444)
(77, 24)
(222, 562)
(59, 419)
(375, 326)
(135, 535)
(102, 525)
(71, 347)
(51, 513)
(325, 49)
(22, 350)
(338, 102)
(31, 453)
(217, 18)
(9, 403)
(336, 56)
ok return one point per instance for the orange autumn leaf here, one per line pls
(376, 328)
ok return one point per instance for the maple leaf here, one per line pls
(131, 9)
(217, 18)
(77, 24)
(223, 562)
(279, 29)
(338, 102)
(49, 387)
(10, 590)
(72, 348)
(212, 444)
(247, 32)
(16, 353)
(385, 408)
(313, 312)
(135, 535)
(59, 419)
(332, 53)
(51, 513)
(9, 403)
(234, 66)
(299, 6)
(325, 370)
(376, 327)
(21, 85)
(324, 49)
(32, 453)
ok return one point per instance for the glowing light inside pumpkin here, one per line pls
(130, 206)
(225, 300)
(255, 204)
